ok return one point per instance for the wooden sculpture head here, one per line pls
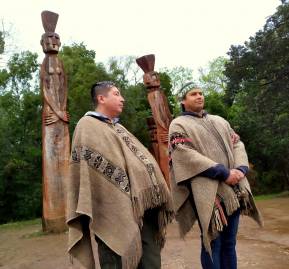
(50, 41)
(151, 78)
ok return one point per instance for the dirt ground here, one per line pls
(267, 248)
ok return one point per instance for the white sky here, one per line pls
(185, 33)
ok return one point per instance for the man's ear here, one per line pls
(183, 105)
(100, 99)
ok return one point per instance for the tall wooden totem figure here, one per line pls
(55, 134)
(161, 113)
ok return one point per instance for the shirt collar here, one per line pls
(101, 117)
(194, 114)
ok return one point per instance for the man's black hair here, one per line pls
(101, 87)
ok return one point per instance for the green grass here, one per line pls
(271, 196)
(35, 234)
(20, 224)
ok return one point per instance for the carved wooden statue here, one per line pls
(55, 133)
(160, 110)
(154, 146)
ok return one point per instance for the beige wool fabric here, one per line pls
(113, 180)
(196, 144)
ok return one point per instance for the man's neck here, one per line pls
(99, 115)
(98, 110)
(199, 114)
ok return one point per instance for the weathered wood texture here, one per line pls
(55, 133)
(160, 110)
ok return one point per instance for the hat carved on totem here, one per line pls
(49, 21)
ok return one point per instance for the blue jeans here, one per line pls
(223, 247)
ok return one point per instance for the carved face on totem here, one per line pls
(151, 79)
(50, 42)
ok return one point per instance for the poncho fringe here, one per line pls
(113, 181)
(197, 144)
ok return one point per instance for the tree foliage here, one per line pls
(212, 77)
(2, 42)
(20, 121)
(179, 75)
(258, 90)
(82, 72)
(20, 140)
(251, 89)
(214, 82)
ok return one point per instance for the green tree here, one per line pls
(258, 91)
(212, 77)
(2, 42)
(20, 120)
(20, 140)
(82, 72)
(214, 83)
(125, 69)
(136, 110)
(179, 75)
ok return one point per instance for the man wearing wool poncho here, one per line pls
(208, 179)
(116, 192)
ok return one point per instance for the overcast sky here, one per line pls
(179, 32)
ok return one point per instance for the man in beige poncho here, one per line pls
(116, 191)
(208, 168)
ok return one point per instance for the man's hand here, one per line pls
(235, 138)
(235, 177)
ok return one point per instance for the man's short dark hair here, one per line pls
(100, 88)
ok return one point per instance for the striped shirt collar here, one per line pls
(194, 114)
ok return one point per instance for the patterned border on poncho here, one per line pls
(141, 156)
(180, 138)
(98, 162)
(177, 138)
(136, 151)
